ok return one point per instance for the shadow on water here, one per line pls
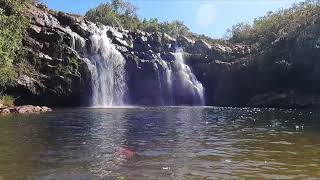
(162, 143)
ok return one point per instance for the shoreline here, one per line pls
(26, 109)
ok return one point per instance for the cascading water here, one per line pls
(78, 43)
(186, 80)
(107, 67)
(179, 84)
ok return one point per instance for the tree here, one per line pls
(124, 8)
(13, 24)
(116, 5)
(104, 14)
(117, 13)
(130, 9)
(120, 13)
(174, 28)
(281, 23)
(241, 32)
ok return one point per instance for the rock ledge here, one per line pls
(27, 109)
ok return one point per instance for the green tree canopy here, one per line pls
(13, 24)
(277, 24)
(124, 14)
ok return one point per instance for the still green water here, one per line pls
(163, 143)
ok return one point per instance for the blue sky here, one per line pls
(209, 17)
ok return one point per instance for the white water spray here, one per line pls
(107, 71)
(78, 43)
(107, 67)
(188, 80)
(181, 84)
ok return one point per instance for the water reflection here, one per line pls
(161, 143)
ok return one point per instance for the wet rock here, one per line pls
(79, 30)
(167, 56)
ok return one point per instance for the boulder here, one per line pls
(167, 56)
(25, 109)
(65, 18)
(52, 36)
(201, 47)
(45, 109)
(30, 84)
(5, 111)
(42, 17)
(185, 42)
(77, 28)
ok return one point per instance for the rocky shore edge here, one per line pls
(27, 109)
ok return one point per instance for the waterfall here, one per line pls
(78, 43)
(179, 84)
(186, 80)
(107, 67)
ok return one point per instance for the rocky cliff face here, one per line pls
(55, 71)
(283, 74)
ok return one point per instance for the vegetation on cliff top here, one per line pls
(124, 14)
(13, 24)
(274, 25)
(262, 31)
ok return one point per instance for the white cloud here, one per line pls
(206, 15)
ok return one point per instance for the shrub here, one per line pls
(124, 14)
(7, 101)
(13, 24)
(277, 24)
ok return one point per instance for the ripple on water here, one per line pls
(166, 143)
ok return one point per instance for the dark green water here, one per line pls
(168, 142)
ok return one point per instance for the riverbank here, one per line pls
(27, 109)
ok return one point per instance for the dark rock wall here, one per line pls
(52, 72)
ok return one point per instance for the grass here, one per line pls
(7, 101)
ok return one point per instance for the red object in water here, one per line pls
(126, 152)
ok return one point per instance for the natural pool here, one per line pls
(161, 143)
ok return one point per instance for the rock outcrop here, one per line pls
(52, 73)
(283, 74)
(27, 109)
